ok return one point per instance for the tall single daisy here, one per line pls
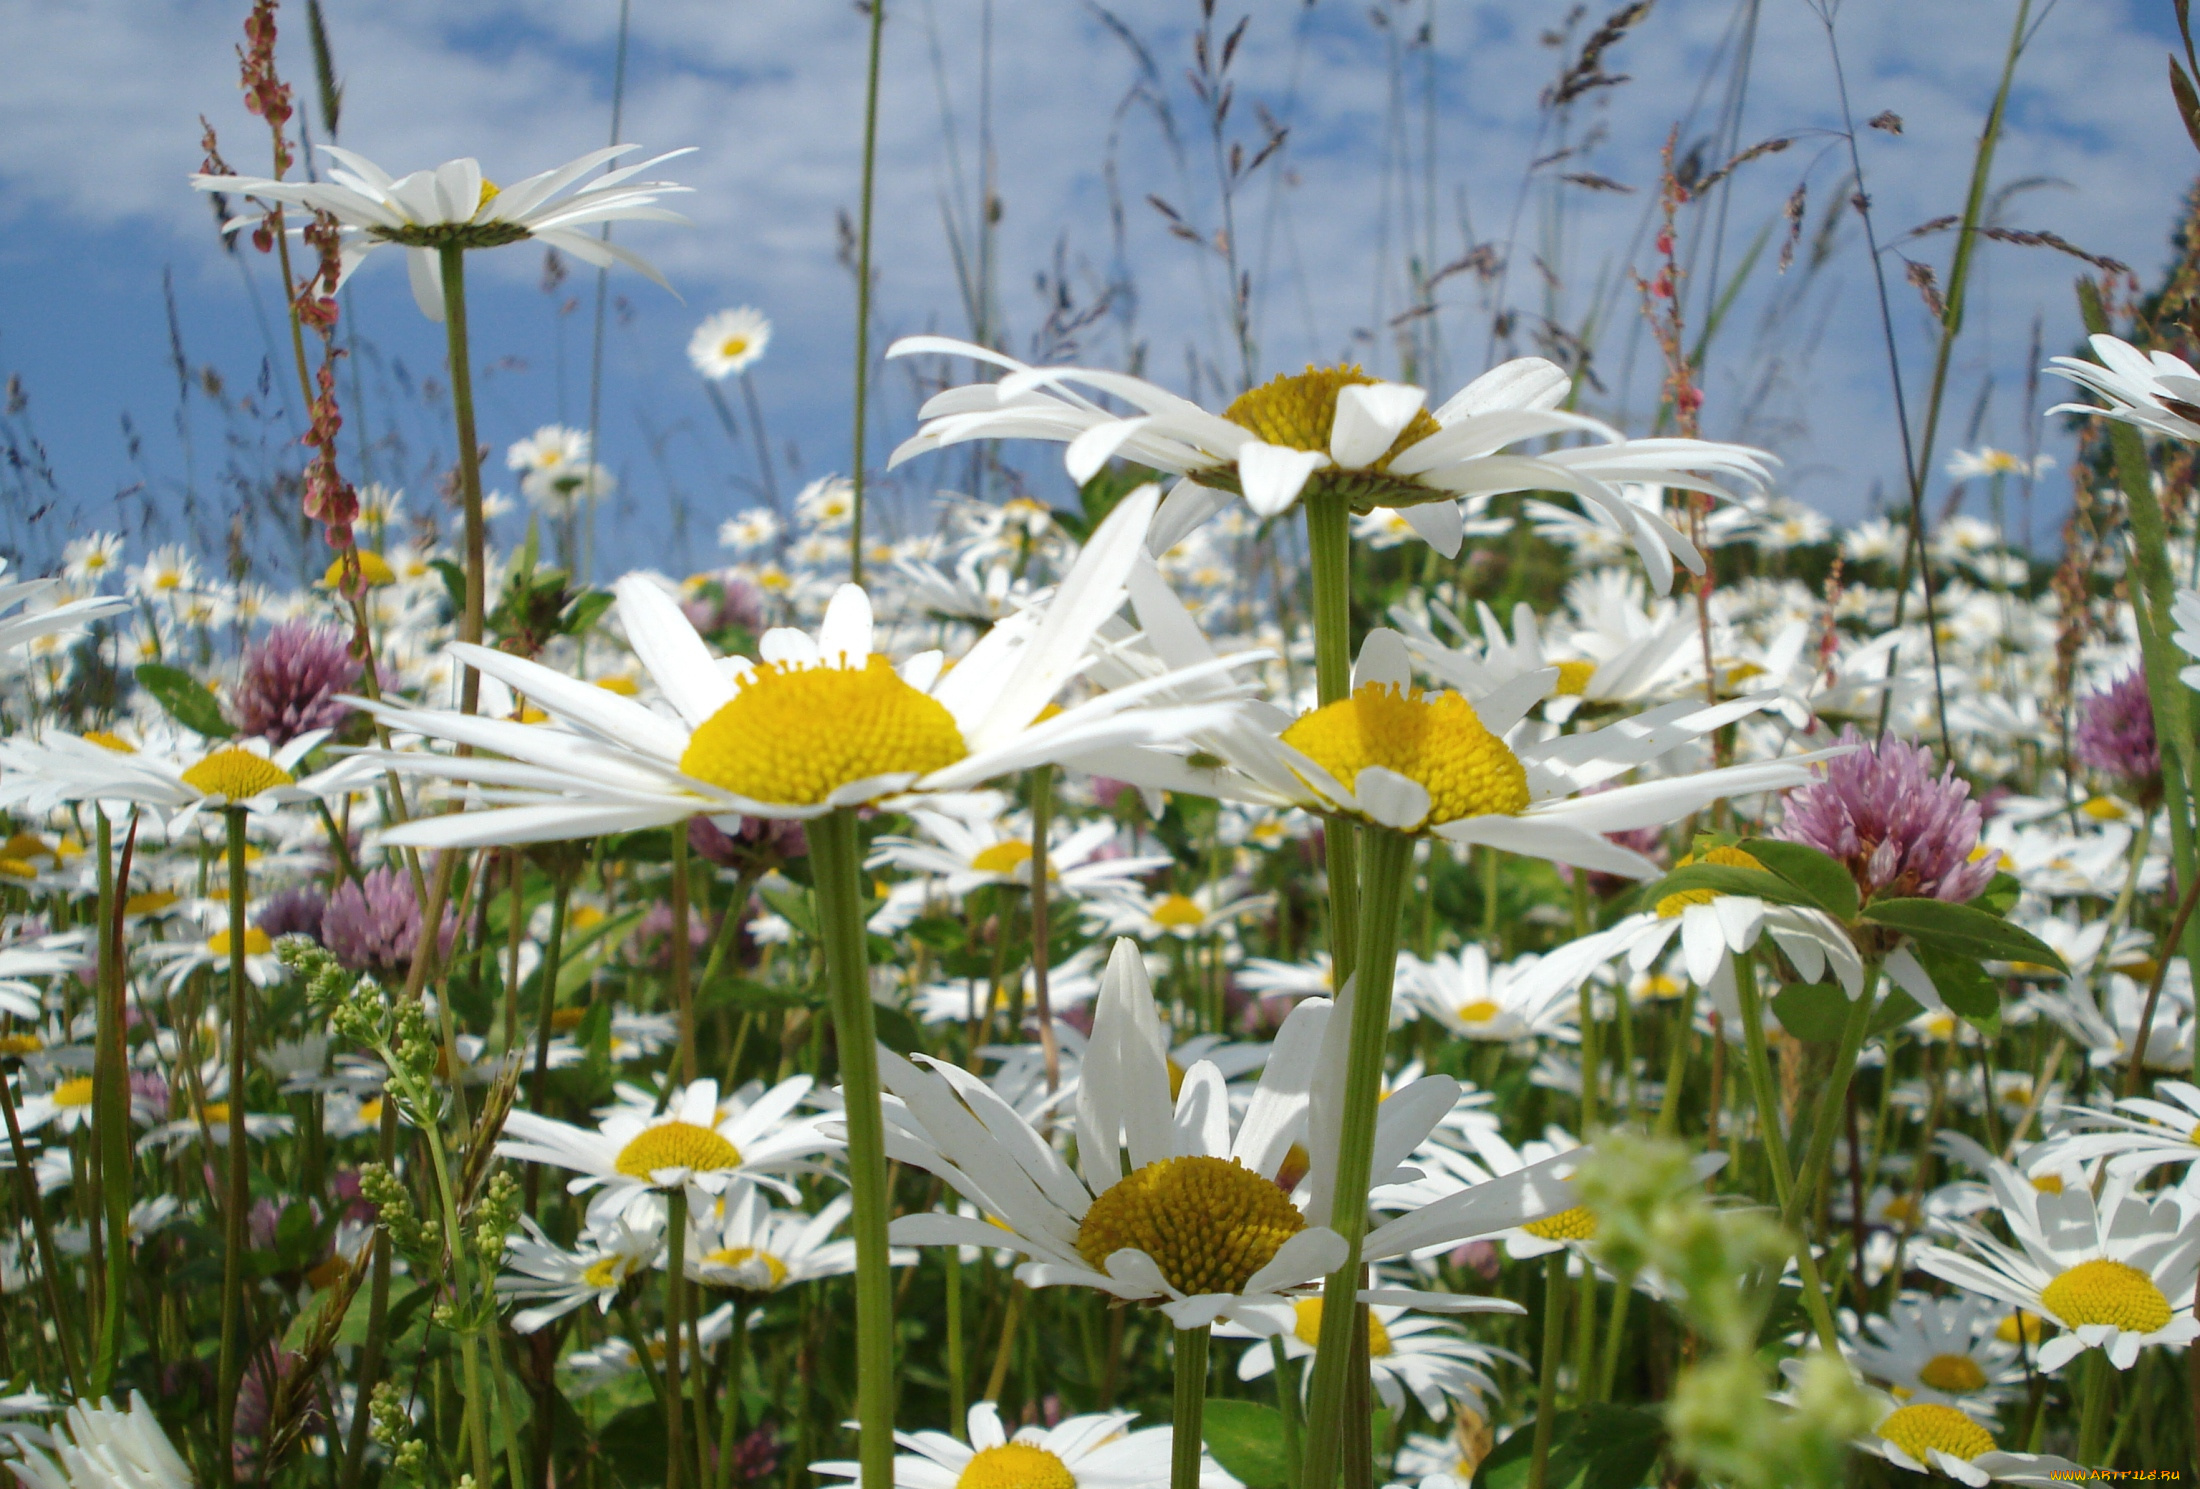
(730, 341)
(1945, 1350)
(1336, 431)
(456, 206)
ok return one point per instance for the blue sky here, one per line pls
(100, 129)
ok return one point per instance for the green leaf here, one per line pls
(1895, 1009)
(454, 583)
(897, 1031)
(1247, 1440)
(793, 905)
(585, 611)
(741, 993)
(1825, 879)
(2001, 894)
(186, 700)
(1724, 878)
(1814, 1011)
(1963, 930)
(1964, 986)
(1600, 1447)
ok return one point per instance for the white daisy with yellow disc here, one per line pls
(745, 1244)
(1946, 1350)
(555, 1281)
(1099, 1451)
(813, 725)
(176, 780)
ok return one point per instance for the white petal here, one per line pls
(1439, 525)
(1392, 799)
(844, 639)
(1383, 659)
(1370, 417)
(1273, 476)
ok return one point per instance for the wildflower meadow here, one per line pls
(1417, 917)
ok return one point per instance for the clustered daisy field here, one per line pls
(1340, 933)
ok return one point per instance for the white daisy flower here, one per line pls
(1098, 1451)
(454, 205)
(1964, 465)
(1943, 1350)
(743, 1244)
(634, 1156)
(594, 1272)
(248, 773)
(729, 342)
(820, 723)
(103, 1447)
(1208, 910)
(1526, 998)
(1339, 431)
(551, 449)
(2153, 390)
(46, 619)
(92, 559)
(2137, 1135)
(827, 504)
(66, 1106)
(2116, 1273)
(1405, 1353)
(1930, 1437)
(756, 528)
(967, 843)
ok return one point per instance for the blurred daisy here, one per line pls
(743, 1244)
(46, 619)
(594, 1272)
(729, 342)
(634, 1156)
(2136, 1136)
(1964, 465)
(1088, 1452)
(2154, 390)
(1930, 1437)
(92, 559)
(756, 528)
(1405, 1352)
(827, 504)
(1941, 1350)
(1209, 909)
(455, 206)
(968, 843)
(2112, 1272)
(102, 1447)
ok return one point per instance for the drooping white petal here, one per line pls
(1274, 475)
(1370, 417)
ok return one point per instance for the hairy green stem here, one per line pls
(836, 860)
(237, 1197)
(1287, 1407)
(1546, 1383)
(1824, 1122)
(1389, 861)
(1329, 557)
(958, 1370)
(1186, 1424)
(453, 264)
(683, 990)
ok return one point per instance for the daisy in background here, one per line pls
(1405, 1352)
(965, 843)
(2112, 1272)
(2137, 1135)
(754, 529)
(1943, 1350)
(102, 1447)
(2153, 390)
(455, 206)
(1337, 430)
(819, 724)
(557, 1281)
(1098, 1451)
(92, 560)
(635, 1156)
(249, 774)
(30, 624)
(1930, 1437)
(1214, 908)
(743, 1244)
(1986, 461)
(1527, 998)
(729, 342)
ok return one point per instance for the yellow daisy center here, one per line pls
(732, 1258)
(733, 346)
(1733, 858)
(1002, 858)
(1577, 1224)
(1297, 409)
(676, 1145)
(2021, 1327)
(1308, 1326)
(489, 192)
(1928, 1427)
(620, 683)
(2048, 1183)
(373, 568)
(1176, 1077)
(74, 1092)
(1573, 678)
(370, 1111)
(107, 740)
(215, 1113)
(566, 1020)
(256, 942)
(20, 1044)
(1179, 912)
(150, 902)
(1436, 740)
(18, 868)
(606, 1271)
(1954, 1374)
(236, 775)
(798, 734)
(1899, 1210)
(1015, 1465)
(1480, 1011)
(1208, 1223)
(2102, 809)
(2105, 1292)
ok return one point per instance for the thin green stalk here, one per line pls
(469, 1345)
(1389, 862)
(111, 1115)
(1186, 1444)
(863, 307)
(737, 1372)
(237, 1198)
(676, 1224)
(1615, 1334)
(1042, 812)
(1287, 1406)
(1546, 1385)
(546, 999)
(683, 990)
(1762, 1090)
(453, 262)
(1585, 1336)
(1824, 1123)
(958, 1370)
(49, 1259)
(1676, 1061)
(836, 860)
(2093, 1415)
(1329, 557)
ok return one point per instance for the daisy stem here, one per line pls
(1329, 557)
(1761, 1088)
(1676, 1061)
(958, 1385)
(683, 989)
(836, 859)
(1287, 1405)
(1546, 1385)
(238, 1196)
(453, 260)
(2093, 1415)
(112, 1114)
(863, 336)
(1185, 1423)
(1389, 862)
(676, 1224)
(737, 1369)
(456, 1242)
(1823, 1123)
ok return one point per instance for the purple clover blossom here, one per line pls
(1901, 831)
(2116, 735)
(294, 912)
(291, 680)
(372, 925)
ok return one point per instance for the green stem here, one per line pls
(676, 1224)
(1546, 1385)
(958, 1370)
(1186, 1425)
(111, 1117)
(1824, 1123)
(546, 1010)
(1389, 861)
(836, 860)
(1615, 1334)
(237, 1197)
(423, 1101)
(1585, 1335)
(49, 1260)
(863, 314)
(737, 1371)
(1676, 1061)
(1762, 1090)
(1287, 1407)
(1329, 557)
(683, 990)
(453, 263)
(2093, 1418)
